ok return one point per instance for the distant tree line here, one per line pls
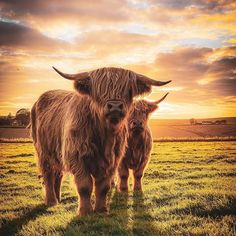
(22, 118)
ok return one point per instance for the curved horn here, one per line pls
(151, 81)
(160, 100)
(78, 76)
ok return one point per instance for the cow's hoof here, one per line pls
(85, 211)
(113, 184)
(123, 189)
(138, 189)
(102, 210)
(51, 202)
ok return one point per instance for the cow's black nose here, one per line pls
(115, 106)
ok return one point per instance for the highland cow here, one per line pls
(85, 132)
(139, 144)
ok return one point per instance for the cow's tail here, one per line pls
(32, 125)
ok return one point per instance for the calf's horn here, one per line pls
(151, 81)
(78, 76)
(160, 100)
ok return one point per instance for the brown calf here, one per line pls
(139, 144)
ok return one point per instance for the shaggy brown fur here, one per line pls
(80, 133)
(139, 145)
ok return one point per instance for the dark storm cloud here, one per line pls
(183, 57)
(20, 36)
(223, 87)
(224, 68)
(23, 6)
(73, 9)
(224, 73)
(189, 66)
(211, 5)
(184, 65)
(191, 59)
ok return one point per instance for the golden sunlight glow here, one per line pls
(203, 81)
(172, 89)
(65, 32)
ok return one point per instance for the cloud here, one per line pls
(209, 5)
(104, 45)
(79, 10)
(186, 65)
(189, 67)
(223, 87)
(178, 20)
(14, 35)
(225, 68)
(108, 45)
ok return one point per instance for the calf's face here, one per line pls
(139, 115)
(112, 91)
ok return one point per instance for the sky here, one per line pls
(192, 43)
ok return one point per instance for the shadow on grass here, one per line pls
(143, 222)
(119, 209)
(11, 227)
(21, 155)
(215, 213)
(116, 223)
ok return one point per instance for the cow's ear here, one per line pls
(83, 86)
(142, 87)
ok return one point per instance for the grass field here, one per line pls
(189, 189)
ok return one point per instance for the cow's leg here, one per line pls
(57, 184)
(48, 179)
(138, 174)
(113, 182)
(102, 187)
(123, 177)
(114, 179)
(84, 186)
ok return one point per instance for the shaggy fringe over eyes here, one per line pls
(140, 105)
(112, 83)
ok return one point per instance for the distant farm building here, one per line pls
(220, 122)
(207, 122)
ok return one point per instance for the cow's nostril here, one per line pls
(120, 106)
(109, 106)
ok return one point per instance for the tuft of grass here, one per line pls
(188, 189)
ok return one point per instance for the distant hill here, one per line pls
(154, 122)
(181, 128)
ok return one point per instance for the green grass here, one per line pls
(189, 189)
